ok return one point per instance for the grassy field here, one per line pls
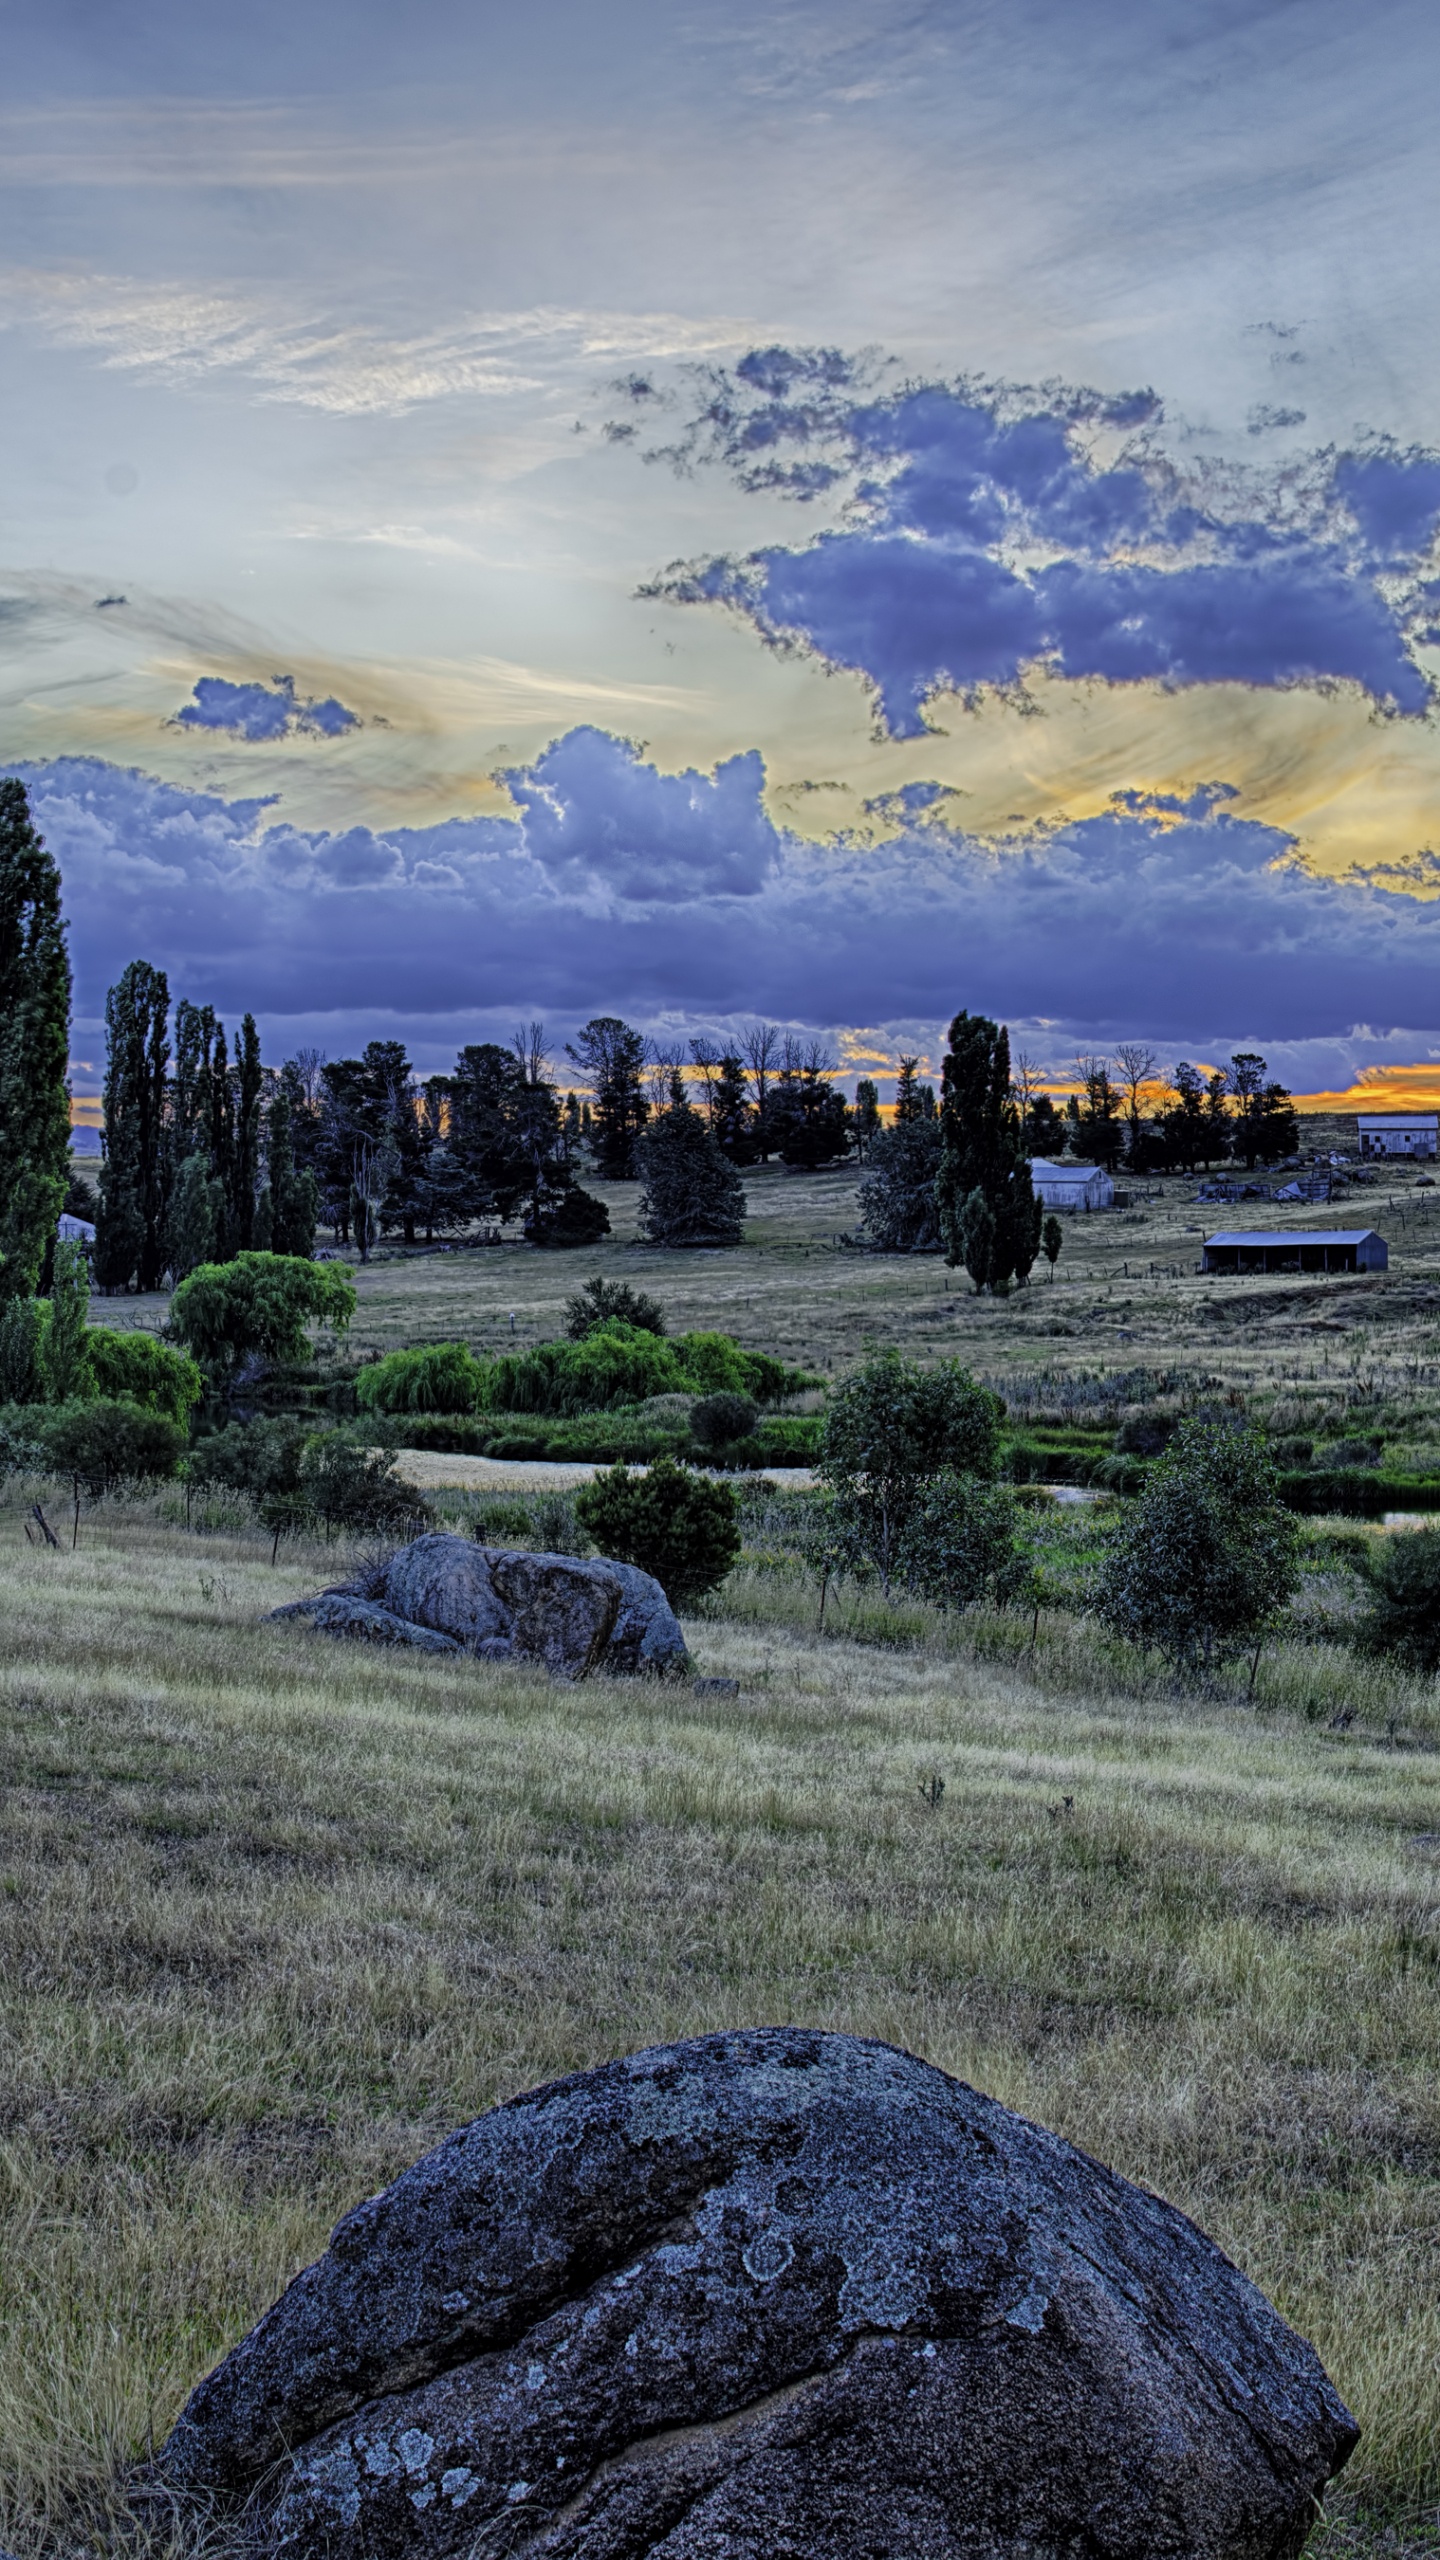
(275, 1915)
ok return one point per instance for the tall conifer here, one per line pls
(989, 1215)
(34, 1048)
(130, 1239)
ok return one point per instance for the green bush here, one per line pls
(718, 1420)
(616, 1364)
(437, 1377)
(676, 1525)
(344, 1485)
(258, 1460)
(604, 1437)
(1355, 1492)
(106, 1442)
(891, 1427)
(1207, 1557)
(1403, 1573)
(450, 1433)
(24, 1323)
(959, 1545)
(150, 1373)
(609, 1302)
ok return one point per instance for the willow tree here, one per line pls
(34, 1048)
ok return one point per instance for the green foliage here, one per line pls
(260, 1303)
(692, 1194)
(569, 1221)
(613, 1365)
(34, 1048)
(1403, 1572)
(107, 1442)
(716, 1421)
(130, 1228)
(344, 1485)
(437, 1377)
(258, 1460)
(1207, 1556)
(608, 1302)
(676, 1525)
(890, 1427)
(294, 1191)
(68, 1373)
(989, 1215)
(24, 1323)
(714, 1364)
(1052, 1237)
(150, 1373)
(899, 1210)
(196, 1222)
(958, 1547)
(453, 1434)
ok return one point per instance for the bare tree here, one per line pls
(761, 1047)
(1137, 1068)
(664, 1079)
(1026, 1080)
(530, 1050)
(706, 1060)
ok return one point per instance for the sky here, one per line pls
(705, 513)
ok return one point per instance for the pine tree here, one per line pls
(612, 1058)
(692, 1194)
(34, 1048)
(997, 1234)
(131, 1243)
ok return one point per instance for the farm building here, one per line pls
(74, 1230)
(1341, 1249)
(1398, 1133)
(1072, 1186)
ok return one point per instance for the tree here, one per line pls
(997, 1236)
(717, 1421)
(1264, 1127)
(34, 1048)
(867, 1121)
(1184, 1119)
(1137, 1067)
(1404, 1615)
(258, 1304)
(899, 1211)
(907, 1093)
(23, 1326)
(294, 1195)
(761, 1046)
(1207, 1556)
(889, 1428)
(809, 1121)
(612, 1059)
(1047, 1129)
(611, 1302)
(135, 1367)
(732, 1120)
(66, 1355)
(245, 1170)
(1052, 1237)
(108, 1441)
(692, 1193)
(130, 1228)
(958, 1547)
(1100, 1127)
(195, 1226)
(681, 1527)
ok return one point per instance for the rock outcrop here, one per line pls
(766, 2294)
(504, 1604)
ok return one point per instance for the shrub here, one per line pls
(715, 1365)
(106, 1441)
(959, 1545)
(439, 1377)
(1403, 1572)
(150, 1373)
(1207, 1557)
(454, 1434)
(717, 1420)
(608, 1302)
(890, 1427)
(259, 1304)
(347, 1486)
(1145, 1435)
(615, 1364)
(260, 1460)
(678, 1526)
(569, 1223)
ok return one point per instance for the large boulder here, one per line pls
(765, 2294)
(505, 1604)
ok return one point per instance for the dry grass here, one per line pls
(274, 1915)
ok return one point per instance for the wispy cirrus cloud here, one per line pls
(986, 533)
(180, 334)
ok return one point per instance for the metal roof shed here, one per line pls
(1299, 1249)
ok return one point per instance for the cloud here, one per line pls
(989, 532)
(260, 712)
(617, 888)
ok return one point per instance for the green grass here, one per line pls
(275, 1915)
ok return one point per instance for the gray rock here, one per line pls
(340, 1613)
(505, 1604)
(777, 2294)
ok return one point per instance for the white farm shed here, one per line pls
(1398, 1133)
(1072, 1186)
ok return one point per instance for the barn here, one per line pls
(1398, 1133)
(1071, 1186)
(1339, 1249)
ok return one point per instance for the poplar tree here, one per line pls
(989, 1215)
(34, 1048)
(130, 1231)
(245, 1164)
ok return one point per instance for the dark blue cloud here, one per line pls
(260, 713)
(987, 536)
(1169, 917)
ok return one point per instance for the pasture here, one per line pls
(275, 1915)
